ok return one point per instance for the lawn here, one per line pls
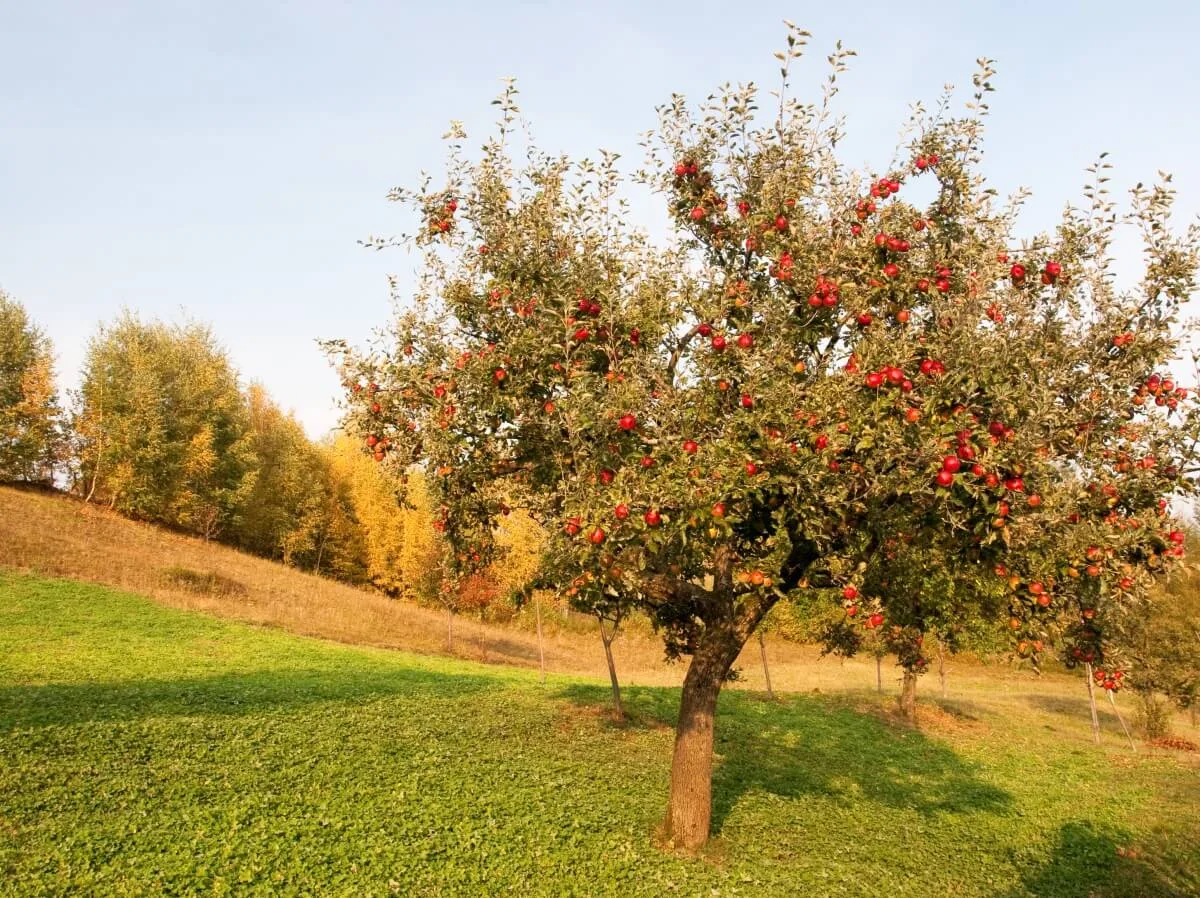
(151, 751)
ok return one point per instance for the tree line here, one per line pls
(162, 429)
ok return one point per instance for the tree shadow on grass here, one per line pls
(806, 746)
(234, 694)
(1091, 862)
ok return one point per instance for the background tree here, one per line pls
(31, 439)
(162, 427)
(815, 366)
(324, 534)
(1161, 648)
(283, 463)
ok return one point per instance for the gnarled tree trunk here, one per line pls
(689, 812)
(908, 696)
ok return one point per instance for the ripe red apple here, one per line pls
(1017, 272)
(572, 526)
(627, 422)
(891, 270)
(372, 440)
(698, 213)
(1044, 600)
(718, 510)
(864, 318)
(745, 341)
(945, 478)
(376, 408)
(581, 335)
(647, 461)
(597, 536)
(781, 223)
(850, 593)
(951, 463)
(746, 401)
(691, 447)
(718, 342)
(652, 518)
(874, 380)
(606, 476)
(751, 468)
(704, 329)
(621, 511)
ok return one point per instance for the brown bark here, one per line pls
(908, 696)
(1087, 669)
(689, 813)
(879, 674)
(762, 647)
(449, 629)
(942, 667)
(607, 638)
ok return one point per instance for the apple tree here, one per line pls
(819, 361)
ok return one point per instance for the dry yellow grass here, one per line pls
(59, 536)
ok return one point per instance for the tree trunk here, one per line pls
(1087, 668)
(1121, 720)
(689, 812)
(1192, 712)
(537, 610)
(908, 696)
(942, 666)
(618, 710)
(762, 647)
(449, 629)
(879, 674)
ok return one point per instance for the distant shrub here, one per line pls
(1154, 717)
(203, 582)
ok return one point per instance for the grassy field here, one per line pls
(152, 751)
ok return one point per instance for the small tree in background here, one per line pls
(31, 438)
(822, 361)
(1161, 647)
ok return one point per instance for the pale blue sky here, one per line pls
(223, 158)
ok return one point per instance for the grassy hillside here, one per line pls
(58, 536)
(151, 751)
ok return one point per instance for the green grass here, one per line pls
(145, 751)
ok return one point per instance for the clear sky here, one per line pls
(220, 159)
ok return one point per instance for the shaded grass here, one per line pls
(148, 751)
